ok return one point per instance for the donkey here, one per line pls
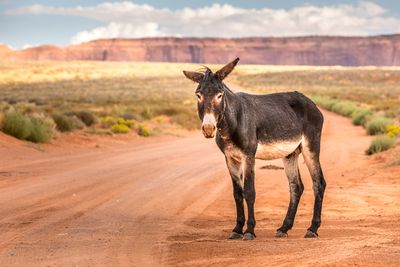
(248, 127)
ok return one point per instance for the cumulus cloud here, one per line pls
(129, 20)
(119, 30)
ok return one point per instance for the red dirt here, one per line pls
(168, 201)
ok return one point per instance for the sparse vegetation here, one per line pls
(120, 128)
(131, 94)
(360, 116)
(86, 117)
(393, 130)
(144, 130)
(377, 125)
(63, 122)
(16, 124)
(380, 143)
(40, 131)
(26, 127)
(108, 121)
(128, 123)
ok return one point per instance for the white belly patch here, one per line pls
(277, 150)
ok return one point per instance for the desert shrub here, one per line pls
(17, 124)
(76, 122)
(45, 119)
(344, 108)
(378, 125)
(120, 128)
(143, 130)
(393, 130)
(40, 131)
(324, 102)
(24, 107)
(359, 117)
(25, 127)
(63, 122)
(147, 114)
(129, 123)
(380, 143)
(108, 121)
(86, 117)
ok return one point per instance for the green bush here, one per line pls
(144, 130)
(25, 127)
(17, 125)
(324, 102)
(86, 117)
(378, 125)
(359, 117)
(380, 143)
(108, 121)
(40, 131)
(344, 108)
(120, 128)
(63, 122)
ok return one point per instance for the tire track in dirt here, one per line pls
(169, 202)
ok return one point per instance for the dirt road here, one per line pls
(168, 201)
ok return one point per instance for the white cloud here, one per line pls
(129, 20)
(120, 30)
(26, 46)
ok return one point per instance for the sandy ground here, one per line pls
(168, 201)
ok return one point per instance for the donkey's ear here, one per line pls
(222, 73)
(194, 76)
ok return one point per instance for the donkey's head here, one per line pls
(211, 96)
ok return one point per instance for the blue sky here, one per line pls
(25, 23)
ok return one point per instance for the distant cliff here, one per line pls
(314, 50)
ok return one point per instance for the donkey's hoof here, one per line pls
(310, 234)
(235, 235)
(249, 236)
(280, 234)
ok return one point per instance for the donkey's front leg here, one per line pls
(237, 232)
(235, 167)
(250, 196)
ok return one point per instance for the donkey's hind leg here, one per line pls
(311, 157)
(296, 190)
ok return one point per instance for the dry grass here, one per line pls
(373, 87)
(143, 91)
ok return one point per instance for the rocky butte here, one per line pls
(312, 50)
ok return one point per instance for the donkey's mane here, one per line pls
(207, 73)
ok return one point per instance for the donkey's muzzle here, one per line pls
(208, 130)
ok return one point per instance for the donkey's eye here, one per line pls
(219, 96)
(199, 96)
